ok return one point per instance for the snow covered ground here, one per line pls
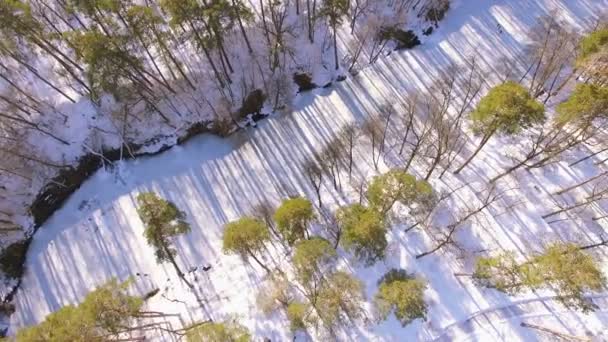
(97, 235)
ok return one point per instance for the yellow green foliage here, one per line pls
(402, 294)
(507, 108)
(298, 315)
(339, 300)
(396, 186)
(312, 259)
(563, 267)
(218, 332)
(292, 218)
(244, 236)
(587, 103)
(105, 312)
(363, 232)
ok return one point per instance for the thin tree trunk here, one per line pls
(242, 27)
(483, 142)
(336, 47)
(177, 269)
(252, 255)
(581, 183)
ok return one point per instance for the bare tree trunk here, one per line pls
(483, 142)
(177, 269)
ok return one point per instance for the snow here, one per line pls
(97, 234)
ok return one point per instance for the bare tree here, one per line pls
(446, 135)
(373, 129)
(598, 194)
(349, 134)
(552, 51)
(570, 188)
(489, 196)
(314, 172)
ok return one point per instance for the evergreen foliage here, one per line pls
(105, 312)
(396, 186)
(587, 103)
(298, 316)
(218, 332)
(563, 267)
(312, 259)
(293, 217)
(246, 237)
(363, 232)
(592, 44)
(339, 300)
(401, 294)
(162, 221)
(507, 108)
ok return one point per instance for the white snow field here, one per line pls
(97, 234)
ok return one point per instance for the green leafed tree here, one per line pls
(334, 11)
(246, 237)
(363, 232)
(298, 315)
(507, 109)
(402, 294)
(293, 217)
(190, 14)
(230, 331)
(162, 222)
(104, 313)
(593, 55)
(339, 301)
(312, 260)
(586, 104)
(396, 186)
(563, 267)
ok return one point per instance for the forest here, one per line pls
(364, 198)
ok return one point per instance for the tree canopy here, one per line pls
(593, 44)
(246, 237)
(401, 294)
(396, 186)
(364, 232)
(563, 267)
(587, 103)
(313, 258)
(218, 332)
(293, 217)
(162, 220)
(105, 312)
(507, 108)
(339, 300)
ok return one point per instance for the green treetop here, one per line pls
(339, 301)
(508, 108)
(563, 267)
(593, 44)
(246, 237)
(312, 259)
(396, 186)
(162, 221)
(402, 294)
(218, 332)
(293, 217)
(363, 232)
(105, 312)
(587, 103)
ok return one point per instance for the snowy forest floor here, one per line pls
(97, 234)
